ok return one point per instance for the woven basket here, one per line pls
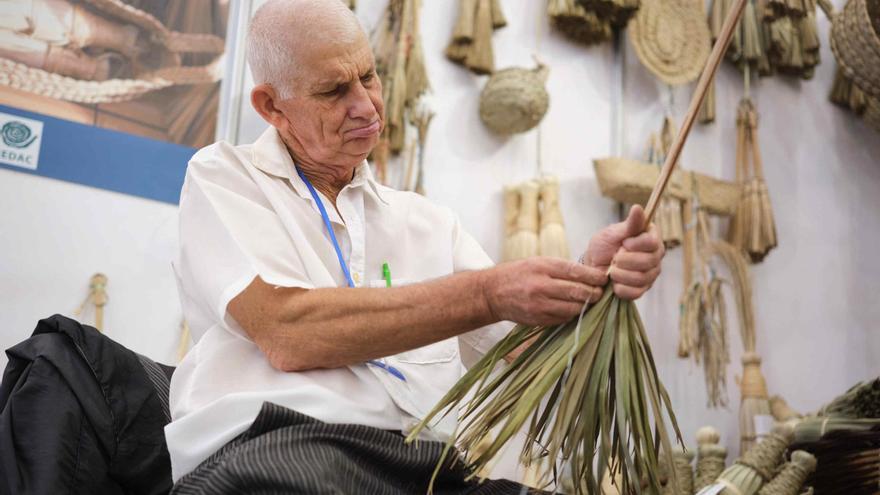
(855, 42)
(45, 83)
(631, 181)
(514, 100)
(671, 38)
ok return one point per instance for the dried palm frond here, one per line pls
(605, 407)
(847, 451)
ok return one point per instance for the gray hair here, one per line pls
(280, 28)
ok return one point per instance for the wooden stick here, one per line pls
(699, 95)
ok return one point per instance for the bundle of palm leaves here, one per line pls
(860, 401)
(606, 407)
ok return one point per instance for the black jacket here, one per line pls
(80, 413)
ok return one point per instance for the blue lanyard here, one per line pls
(379, 364)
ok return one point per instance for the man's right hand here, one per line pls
(541, 290)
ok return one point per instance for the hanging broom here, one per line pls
(606, 405)
(524, 241)
(471, 43)
(551, 239)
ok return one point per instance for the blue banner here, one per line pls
(37, 144)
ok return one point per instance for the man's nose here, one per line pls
(360, 106)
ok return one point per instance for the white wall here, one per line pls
(816, 295)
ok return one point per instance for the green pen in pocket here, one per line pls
(386, 274)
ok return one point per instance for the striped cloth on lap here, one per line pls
(287, 452)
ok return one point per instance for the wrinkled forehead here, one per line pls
(324, 59)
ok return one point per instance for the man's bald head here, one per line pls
(281, 29)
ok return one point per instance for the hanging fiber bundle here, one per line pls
(606, 406)
(617, 12)
(400, 65)
(791, 479)
(524, 241)
(471, 43)
(551, 239)
(97, 296)
(757, 466)
(781, 411)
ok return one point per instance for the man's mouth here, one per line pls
(365, 131)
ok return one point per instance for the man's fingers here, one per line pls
(576, 272)
(628, 292)
(637, 261)
(564, 290)
(634, 278)
(556, 311)
(646, 242)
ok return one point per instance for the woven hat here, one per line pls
(855, 41)
(671, 38)
(514, 100)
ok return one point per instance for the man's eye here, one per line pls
(333, 92)
(368, 77)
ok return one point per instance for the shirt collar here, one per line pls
(271, 156)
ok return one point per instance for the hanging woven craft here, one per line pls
(855, 41)
(752, 228)
(671, 39)
(97, 296)
(524, 240)
(514, 100)
(711, 456)
(590, 21)
(471, 43)
(605, 405)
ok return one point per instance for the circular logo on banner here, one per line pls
(17, 134)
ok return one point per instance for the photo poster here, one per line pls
(115, 94)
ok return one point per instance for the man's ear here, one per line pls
(263, 98)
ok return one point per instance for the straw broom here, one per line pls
(551, 239)
(848, 454)
(511, 213)
(606, 404)
(861, 401)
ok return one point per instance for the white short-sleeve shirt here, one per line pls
(244, 212)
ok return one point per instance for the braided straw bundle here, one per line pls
(671, 39)
(711, 456)
(514, 100)
(684, 474)
(791, 479)
(855, 41)
(757, 466)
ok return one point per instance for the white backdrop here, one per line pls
(816, 295)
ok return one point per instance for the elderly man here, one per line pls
(307, 369)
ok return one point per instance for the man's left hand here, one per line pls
(633, 255)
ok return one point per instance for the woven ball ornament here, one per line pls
(514, 100)
(671, 38)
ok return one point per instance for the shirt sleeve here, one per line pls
(228, 236)
(469, 255)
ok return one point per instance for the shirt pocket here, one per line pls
(395, 282)
(438, 352)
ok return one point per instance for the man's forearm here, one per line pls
(302, 329)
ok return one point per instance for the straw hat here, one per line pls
(671, 38)
(514, 100)
(855, 42)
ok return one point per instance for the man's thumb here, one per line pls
(631, 227)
